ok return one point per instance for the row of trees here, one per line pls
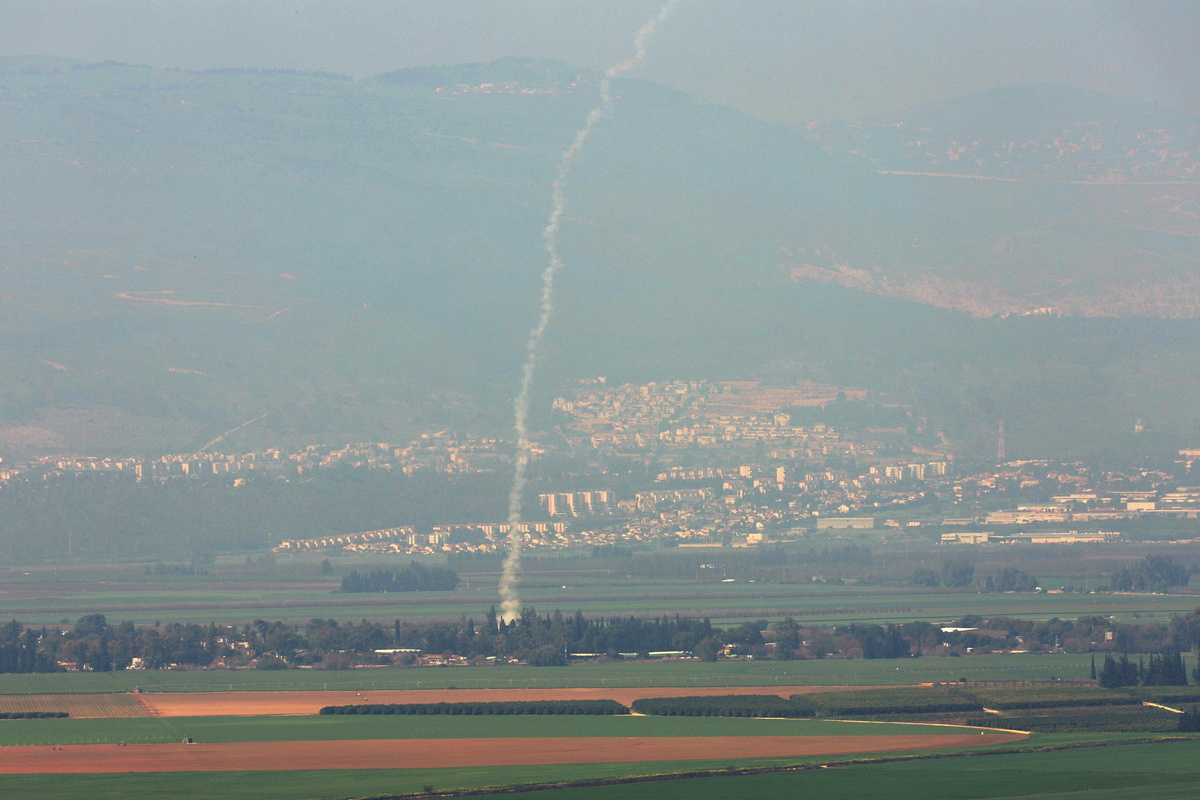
(536, 707)
(413, 578)
(21, 651)
(1164, 669)
(548, 640)
(1155, 573)
(960, 574)
(1151, 574)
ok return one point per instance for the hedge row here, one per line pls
(592, 707)
(735, 705)
(1052, 697)
(901, 700)
(33, 714)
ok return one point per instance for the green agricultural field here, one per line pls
(1168, 769)
(146, 600)
(330, 785)
(311, 784)
(1131, 772)
(889, 672)
(335, 728)
(1052, 697)
(1087, 718)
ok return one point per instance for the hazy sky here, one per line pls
(784, 60)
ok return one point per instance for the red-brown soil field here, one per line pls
(450, 753)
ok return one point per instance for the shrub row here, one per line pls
(736, 705)
(592, 707)
(901, 700)
(33, 714)
(1052, 697)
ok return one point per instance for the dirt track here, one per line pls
(204, 704)
(449, 753)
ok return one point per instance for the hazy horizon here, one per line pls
(780, 61)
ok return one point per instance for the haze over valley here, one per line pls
(340, 260)
(441, 398)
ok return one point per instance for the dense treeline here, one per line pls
(33, 714)
(525, 707)
(603, 635)
(21, 651)
(734, 705)
(94, 644)
(1152, 574)
(1010, 579)
(550, 639)
(1164, 669)
(413, 578)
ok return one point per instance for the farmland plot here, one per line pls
(77, 705)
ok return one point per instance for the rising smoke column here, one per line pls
(509, 602)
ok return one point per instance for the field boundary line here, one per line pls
(150, 710)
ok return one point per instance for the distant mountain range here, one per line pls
(182, 252)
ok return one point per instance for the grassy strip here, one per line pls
(1052, 697)
(340, 728)
(1165, 694)
(204, 601)
(862, 672)
(901, 700)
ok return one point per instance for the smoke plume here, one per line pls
(510, 603)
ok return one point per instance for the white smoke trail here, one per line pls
(510, 603)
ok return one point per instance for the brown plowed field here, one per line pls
(450, 753)
(205, 704)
